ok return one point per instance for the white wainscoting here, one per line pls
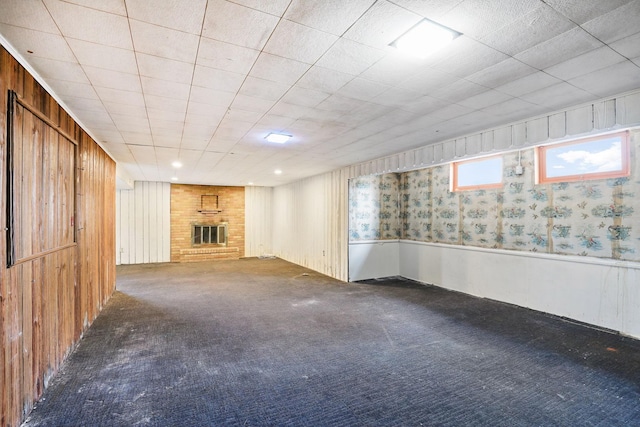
(601, 292)
(258, 208)
(373, 259)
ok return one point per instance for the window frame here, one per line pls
(625, 170)
(455, 172)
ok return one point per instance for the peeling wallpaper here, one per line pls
(599, 218)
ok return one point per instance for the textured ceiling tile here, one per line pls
(425, 105)
(501, 73)
(381, 25)
(559, 48)
(130, 110)
(199, 109)
(273, 7)
(617, 78)
(233, 23)
(87, 24)
(41, 45)
(392, 69)
(113, 79)
(484, 99)
(585, 63)
(339, 104)
(396, 97)
(138, 138)
(164, 42)
(275, 123)
(331, 16)
(324, 80)
(164, 69)
(305, 97)
(212, 78)
(557, 96)
(432, 9)
(263, 89)
(581, 11)
(468, 56)
(278, 69)
(183, 15)
(251, 103)
(617, 24)
(120, 96)
(531, 29)
(60, 70)
(226, 56)
(477, 18)
(103, 56)
(629, 46)
(28, 14)
(211, 96)
(295, 41)
(164, 88)
(427, 80)
(362, 89)
(350, 57)
(84, 104)
(165, 104)
(289, 110)
(130, 124)
(155, 115)
(78, 90)
(111, 6)
(527, 84)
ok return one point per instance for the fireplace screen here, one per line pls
(215, 234)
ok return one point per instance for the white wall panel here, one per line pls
(599, 292)
(374, 259)
(143, 223)
(310, 223)
(258, 208)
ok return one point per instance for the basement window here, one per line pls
(477, 174)
(605, 156)
(209, 234)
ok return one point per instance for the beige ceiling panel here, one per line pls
(427, 80)
(617, 78)
(103, 56)
(84, 105)
(557, 96)
(162, 115)
(89, 24)
(129, 110)
(179, 91)
(532, 82)
(164, 42)
(117, 96)
(297, 42)
(468, 56)
(212, 78)
(250, 103)
(331, 16)
(196, 144)
(113, 79)
(165, 69)
(230, 22)
(59, 70)
(382, 24)
(111, 6)
(324, 79)
(237, 114)
(501, 73)
(199, 109)
(484, 99)
(350, 57)
(306, 97)
(28, 14)
(166, 104)
(274, 123)
(182, 15)
(226, 56)
(263, 89)
(211, 96)
(584, 10)
(272, 7)
(585, 63)
(393, 68)
(362, 89)
(138, 138)
(278, 69)
(79, 90)
(31, 43)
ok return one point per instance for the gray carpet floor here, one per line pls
(268, 343)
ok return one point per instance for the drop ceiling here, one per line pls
(204, 81)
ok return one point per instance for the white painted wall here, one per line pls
(143, 223)
(310, 223)
(374, 259)
(258, 228)
(600, 292)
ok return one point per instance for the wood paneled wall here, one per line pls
(48, 299)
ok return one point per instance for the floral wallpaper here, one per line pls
(599, 218)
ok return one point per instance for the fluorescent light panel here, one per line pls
(425, 38)
(278, 138)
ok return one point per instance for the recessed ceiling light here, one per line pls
(277, 172)
(425, 38)
(278, 138)
(176, 164)
(175, 178)
(251, 183)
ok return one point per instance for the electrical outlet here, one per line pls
(519, 170)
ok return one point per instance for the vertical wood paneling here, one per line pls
(48, 299)
(258, 221)
(143, 226)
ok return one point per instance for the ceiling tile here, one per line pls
(467, 57)
(427, 80)
(84, 104)
(103, 56)
(484, 99)
(629, 46)
(557, 96)
(113, 79)
(275, 123)
(182, 15)
(295, 41)
(501, 73)
(88, 24)
(333, 17)
(165, 104)
(126, 123)
(382, 24)
(165, 88)
(585, 63)
(251, 103)
(559, 48)
(164, 42)
(350, 57)
(37, 44)
(226, 56)
(362, 89)
(28, 14)
(155, 115)
(229, 22)
(617, 78)
(324, 80)
(392, 69)
(289, 110)
(165, 69)
(581, 11)
(60, 70)
(79, 90)
(111, 6)
(212, 78)
(339, 104)
(138, 138)
(529, 30)
(205, 110)
(239, 115)
(617, 24)
(278, 69)
(263, 89)
(211, 96)
(273, 7)
(120, 96)
(130, 110)
(528, 84)
(306, 97)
